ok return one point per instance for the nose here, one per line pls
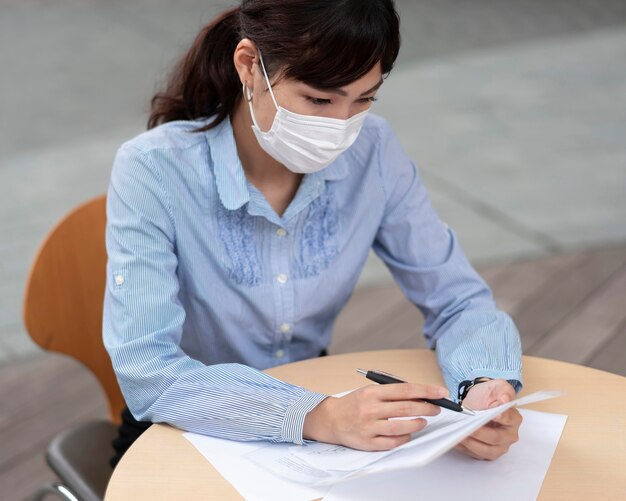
(342, 114)
(347, 113)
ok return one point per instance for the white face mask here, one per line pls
(304, 143)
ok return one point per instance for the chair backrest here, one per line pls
(65, 292)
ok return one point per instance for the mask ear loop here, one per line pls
(269, 86)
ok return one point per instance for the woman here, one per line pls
(239, 224)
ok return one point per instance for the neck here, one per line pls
(277, 183)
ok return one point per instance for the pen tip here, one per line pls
(361, 371)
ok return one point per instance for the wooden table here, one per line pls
(589, 463)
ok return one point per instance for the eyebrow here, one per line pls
(342, 92)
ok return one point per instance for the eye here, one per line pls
(368, 99)
(318, 101)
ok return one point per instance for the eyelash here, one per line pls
(322, 102)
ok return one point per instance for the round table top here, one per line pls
(589, 463)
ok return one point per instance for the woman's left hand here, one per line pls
(495, 438)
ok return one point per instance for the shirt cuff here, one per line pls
(293, 423)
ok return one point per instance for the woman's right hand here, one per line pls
(360, 419)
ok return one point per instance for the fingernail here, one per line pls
(443, 392)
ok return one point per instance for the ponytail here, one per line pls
(204, 82)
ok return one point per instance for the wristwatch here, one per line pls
(467, 385)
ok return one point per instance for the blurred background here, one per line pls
(514, 112)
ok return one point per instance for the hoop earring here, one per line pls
(247, 94)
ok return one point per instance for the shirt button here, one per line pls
(282, 278)
(281, 232)
(279, 354)
(285, 328)
(119, 280)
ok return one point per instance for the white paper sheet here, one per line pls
(329, 463)
(260, 470)
(516, 476)
(253, 482)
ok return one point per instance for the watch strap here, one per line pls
(466, 385)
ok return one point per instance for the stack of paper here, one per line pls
(284, 471)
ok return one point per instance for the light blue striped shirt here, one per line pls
(207, 284)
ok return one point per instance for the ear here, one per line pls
(245, 57)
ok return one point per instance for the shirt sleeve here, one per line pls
(143, 325)
(461, 322)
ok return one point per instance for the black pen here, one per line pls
(381, 377)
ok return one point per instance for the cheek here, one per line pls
(264, 111)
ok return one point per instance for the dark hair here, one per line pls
(324, 43)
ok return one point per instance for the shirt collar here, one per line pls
(230, 177)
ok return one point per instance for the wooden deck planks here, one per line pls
(40, 397)
(409, 326)
(612, 356)
(365, 313)
(26, 475)
(590, 326)
(399, 327)
(516, 285)
(33, 382)
(564, 293)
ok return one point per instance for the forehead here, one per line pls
(370, 81)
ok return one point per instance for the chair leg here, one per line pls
(56, 489)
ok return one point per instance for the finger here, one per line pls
(398, 427)
(503, 419)
(503, 392)
(385, 443)
(493, 402)
(406, 408)
(411, 391)
(461, 448)
(485, 451)
(511, 417)
(494, 436)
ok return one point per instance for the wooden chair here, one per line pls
(63, 313)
